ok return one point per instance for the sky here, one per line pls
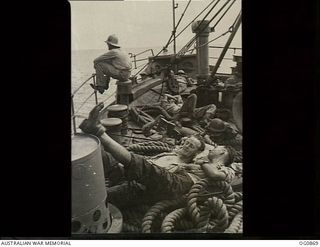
(141, 23)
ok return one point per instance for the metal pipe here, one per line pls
(73, 117)
(134, 61)
(174, 26)
(233, 32)
(95, 91)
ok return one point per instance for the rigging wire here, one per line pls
(177, 35)
(193, 39)
(213, 28)
(194, 19)
(175, 28)
(230, 29)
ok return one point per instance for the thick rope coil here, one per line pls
(192, 200)
(184, 224)
(228, 196)
(213, 216)
(156, 210)
(170, 220)
(236, 224)
(235, 209)
(192, 204)
(237, 196)
(150, 147)
(126, 227)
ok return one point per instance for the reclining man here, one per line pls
(165, 180)
(175, 106)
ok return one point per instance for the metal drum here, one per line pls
(119, 111)
(124, 92)
(113, 127)
(89, 211)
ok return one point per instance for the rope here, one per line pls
(184, 224)
(193, 195)
(236, 224)
(191, 50)
(193, 209)
(219, 217)
(155, 211)
(126, 227)
(223, 15)
(171, 219)
(176, 37)
(182, 51)
(237, 196)
(213, 216)
(235, 209)
(150, 149)
(175, 28)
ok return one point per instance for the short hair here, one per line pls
(201, 140)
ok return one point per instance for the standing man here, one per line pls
(115, 63)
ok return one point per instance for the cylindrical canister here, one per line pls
(124, 87)
(113, 127)
(124, 92)
(119, 111)
(90, 213)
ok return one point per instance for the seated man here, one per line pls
(115, 63)
(221, 133)
(161, 176)
(175, 106)
(183, 78)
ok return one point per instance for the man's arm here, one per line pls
(105, 57)
(213, 172)
(119, 152)
(93, 126)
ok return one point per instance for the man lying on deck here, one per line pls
(163, 180)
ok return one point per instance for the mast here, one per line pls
(174, 6)
(233, 33)
(174, 26)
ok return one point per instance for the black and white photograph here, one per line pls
(156, 117)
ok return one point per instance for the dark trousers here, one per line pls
(157, 179)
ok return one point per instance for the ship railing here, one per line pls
(135, 60)
(92, 79)
(235, 50)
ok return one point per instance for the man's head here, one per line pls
(226, 153)
(181, 72)
(191, 147)
(216, 127)
(112, 41)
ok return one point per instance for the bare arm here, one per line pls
(213, 172)
(93, 126)
(119, 152)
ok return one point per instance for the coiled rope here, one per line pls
(171, 219)
(155, 212)
(192, 198)
(236, 224)
(213, 215)
(151, 147)
(235, 209)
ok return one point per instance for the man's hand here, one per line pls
(92, 125)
